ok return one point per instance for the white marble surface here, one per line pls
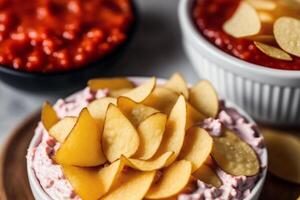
(155, 50)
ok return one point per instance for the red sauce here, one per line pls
(59, 35)
(209, 17)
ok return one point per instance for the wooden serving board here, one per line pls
(14, 183)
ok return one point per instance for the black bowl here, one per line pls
(37, 81)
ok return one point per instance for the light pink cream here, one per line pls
(55, 184)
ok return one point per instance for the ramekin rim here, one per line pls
(188, 25)
(35, 185)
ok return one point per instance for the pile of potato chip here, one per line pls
(145, 142)
(273, 25)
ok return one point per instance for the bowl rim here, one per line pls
(93, 64)
(36, 187)
(186, 21)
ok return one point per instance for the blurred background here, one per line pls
(154, 51)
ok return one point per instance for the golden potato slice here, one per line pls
(197, 147)
(244, 22)
(208, 176)
(287, 34)
(283, 154)
(263, 4)
(193, 116)
(110, 83)
(49, 117)
(132, 185)
(151, 132)
(135, 112)
(235, 156)
(204, 98)
(119, 135)
(273, 52)
(85, 181)
(173, 181)
(152, 164)
(109, 175)
(175, 130)
(119, 92)
(162, 99)
(177, 84)
(98, 109)
(83, 145)
(141, 92)
(61, 129)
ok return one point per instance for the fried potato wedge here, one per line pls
(135, 112)
(62, 128)
(85, 181)
(173, 181)
(90, 152)
(208, 176)
(141, 92)
(175, 130)
(235, 156)
(110, 83)
(151, 132)
(150, 165)
(162, 99)
(204, 98)
(132, 185)
(197, 147)
(49, 116)
(119, 135)
(177, 84)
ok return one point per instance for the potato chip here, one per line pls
(90, 152)
(173, 181)
(49, 117)
(98, 108)
(235, 156)
(244, 22)
(204, 98)
(110, 83)
(208, 176)
(175, 130)
(61, 129)
(177, 84)
(119, 92)
(135, 112)
(197, 147)
(151, 132)
(263, 4)
(152, 164)
(119, 135)
(85, 181)
(273, 51)
(265, 17)
(110, 174)
(141, 92)
(283, 154)
(193, 116)
(162, 99)
(132, 185)
(287, 34)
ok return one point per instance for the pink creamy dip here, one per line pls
(55, 184)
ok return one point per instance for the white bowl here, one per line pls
(269, 95)
(40, 194)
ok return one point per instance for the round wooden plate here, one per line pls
(14, 183)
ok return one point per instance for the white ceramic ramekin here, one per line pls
(269, 95)
(40, 194)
